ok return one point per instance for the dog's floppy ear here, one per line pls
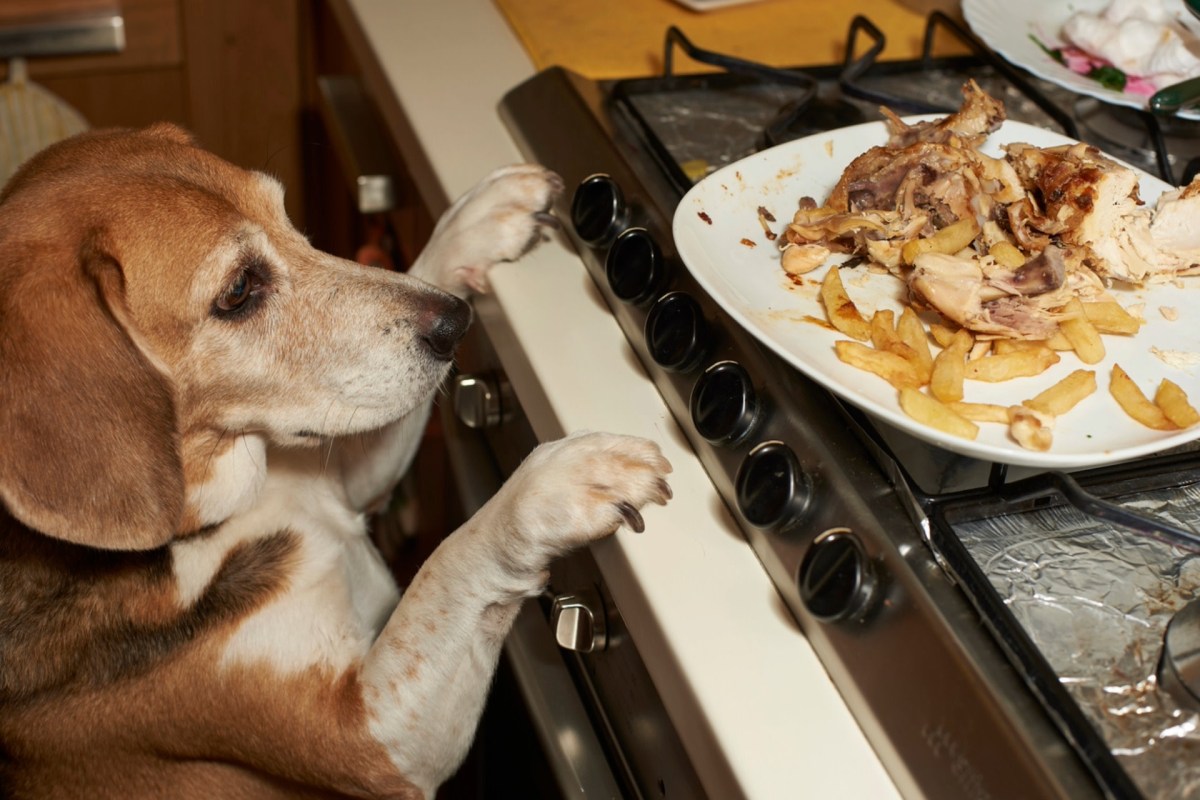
(88, 443)
(170, 132)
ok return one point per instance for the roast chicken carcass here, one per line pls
(1049, 224)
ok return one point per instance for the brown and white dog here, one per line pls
(196, 407)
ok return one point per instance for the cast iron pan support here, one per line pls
(787, 116)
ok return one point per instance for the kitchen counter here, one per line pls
(754, 708)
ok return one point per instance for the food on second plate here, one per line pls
(1013, 256)
(1138, 46)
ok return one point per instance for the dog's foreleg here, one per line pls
(500, 219)
(426, 677)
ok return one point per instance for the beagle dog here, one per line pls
(196, 409)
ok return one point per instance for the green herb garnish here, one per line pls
(1054, 53)
(1109, 77)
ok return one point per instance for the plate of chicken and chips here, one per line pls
(736, 230)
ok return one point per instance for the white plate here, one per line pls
(717, 219)
(1006, 25)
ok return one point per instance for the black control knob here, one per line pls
(634, 266)
(724, 405)
(772, 488)
(597, 210)
(676, 332)
(837, 579)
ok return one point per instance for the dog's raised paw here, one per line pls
(504, 217)
(583, 487)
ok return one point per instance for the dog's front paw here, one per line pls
(504, 217)
(581, 488)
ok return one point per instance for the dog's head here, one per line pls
(160, 316)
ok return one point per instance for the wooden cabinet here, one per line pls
(231, 71)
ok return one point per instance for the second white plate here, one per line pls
(1007, 26)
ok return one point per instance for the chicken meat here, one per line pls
(1072, 216)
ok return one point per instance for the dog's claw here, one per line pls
(632, 518)
(664, 492)
(547, 219)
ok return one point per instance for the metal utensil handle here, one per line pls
(1177, 96)
(1154, 527)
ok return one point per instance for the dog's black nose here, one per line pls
(445, 322)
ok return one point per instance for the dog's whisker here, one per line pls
(328, 454)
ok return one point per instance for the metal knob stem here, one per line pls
(578, 622)
(481, 401)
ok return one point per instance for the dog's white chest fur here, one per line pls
(339, 594)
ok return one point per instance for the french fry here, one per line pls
(895, 369)
(840, 309)
(1033, 430)
(949, 369)
(1109, 317)
(1002, 346)
(1174, 404)
(912, 333)
(1064, 395)
(883, 329)
(1081, 333)
(981, 412)
(1007, 255)
(1017, 364)
(1134, 403)
(942, 334)
(931, 412)
(950, 239)
(981, 348)
(1059, 342)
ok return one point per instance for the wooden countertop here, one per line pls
(624, 38)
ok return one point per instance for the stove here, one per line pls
(996, 632)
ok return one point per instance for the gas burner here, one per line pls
(826, 112)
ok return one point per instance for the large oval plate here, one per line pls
(719, 236)
(1006, 25)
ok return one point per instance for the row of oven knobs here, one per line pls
(772, 488)
(837, 579)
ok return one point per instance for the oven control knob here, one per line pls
(724, 405)
(481, 401)
(1179, 664)
(838, 582)
(772, 488)
(676, 332)
(634, 266)
(597, 209)
(578, 622)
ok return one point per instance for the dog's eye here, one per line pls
(236, 295)
(243, 292)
